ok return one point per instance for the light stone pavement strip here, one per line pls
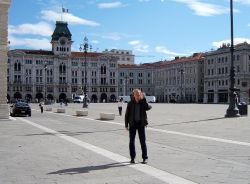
(198, 158)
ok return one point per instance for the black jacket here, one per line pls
(129, 115)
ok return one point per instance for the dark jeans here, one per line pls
(142, 137)
(120, 110)
(41, 109)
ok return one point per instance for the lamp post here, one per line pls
(232, 110)
(84, 46)
(45, 83)
(126, 85)
(182, 72)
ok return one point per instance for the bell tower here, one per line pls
(61, 39)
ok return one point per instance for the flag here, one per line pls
(65, 10)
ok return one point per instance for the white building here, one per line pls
(124, 56)
(59, 74)
(217, 73)
(135, 76)
(179, 80)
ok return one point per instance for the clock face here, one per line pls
(62, 41)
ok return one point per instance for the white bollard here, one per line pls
(60, 110)
(107, 116)
(81, 113)
(48, 108)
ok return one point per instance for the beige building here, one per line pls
(124, 56)
(59, 74)
(4, 108)
(179, 80)
(217, 66)
(135, 76)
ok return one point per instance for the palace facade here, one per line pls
(59, 74)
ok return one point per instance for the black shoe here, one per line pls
(132, 161)
(145, 161)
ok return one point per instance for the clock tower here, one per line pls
(61, 39)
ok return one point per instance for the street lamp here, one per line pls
(84, 46)
(45, 82)
(182, 72)
(232, 110)
(126, 84)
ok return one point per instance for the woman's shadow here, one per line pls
(79, 170)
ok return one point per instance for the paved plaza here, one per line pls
(187, 144)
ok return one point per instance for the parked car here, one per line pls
(78, 99)
(20, 108)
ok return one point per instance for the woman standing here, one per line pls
(120, 103)
(136, 120)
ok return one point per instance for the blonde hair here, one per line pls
(139, 92)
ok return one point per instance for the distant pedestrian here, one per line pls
(136, 120)
(41, 107)
(120, 103)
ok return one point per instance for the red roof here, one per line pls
(73, 54)
(89, 54)
(147, 65)
(36, 52)
(194, 57)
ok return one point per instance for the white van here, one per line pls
(150, 99)
(125, 98)
(78, 99)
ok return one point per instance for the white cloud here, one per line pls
(112, 36)
(139, 46)
(204, 9)
(41, 28)
(246, 2)
(53, 16)
(95, 42)
(30, 43)
(236, 41)
(116, 4)
(164, 50)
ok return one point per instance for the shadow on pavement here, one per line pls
(69, 133)
(186, 122)
(79, 170)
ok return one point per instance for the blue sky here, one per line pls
(153, 29)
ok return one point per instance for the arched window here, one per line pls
(62, 68)
(104, 70)
(101, 69)
(15, 67)
(19, 66)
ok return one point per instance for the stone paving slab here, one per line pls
(198, 160)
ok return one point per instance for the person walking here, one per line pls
(41, 107)
(136, 120)
(120, 103)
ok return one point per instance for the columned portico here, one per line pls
(4, 108)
